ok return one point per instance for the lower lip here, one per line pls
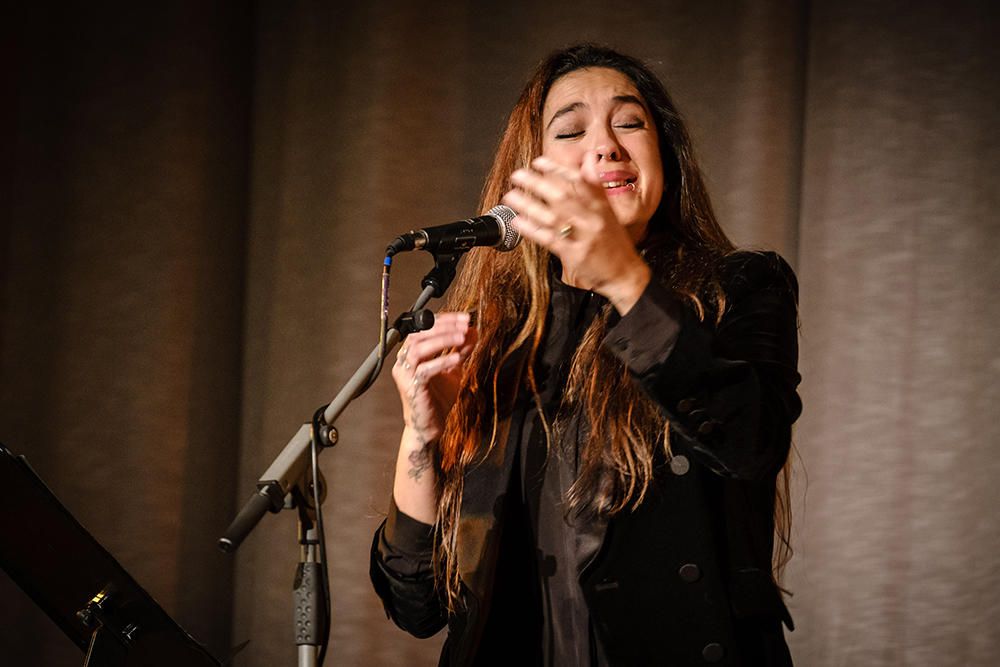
(622, 190)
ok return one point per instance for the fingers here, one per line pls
(527, 206)
(529, 228)
(556, 204)
(579, 185)
(420, 357)
(549, 166)
(445, 324)
(541, 202)
(443, 321)
(450, 330)
(431, 346)
(552, 187)
(556, 188)
(436, 366)
(533, 221)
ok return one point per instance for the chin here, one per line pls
(629, 216)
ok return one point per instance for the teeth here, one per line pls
(615, 184)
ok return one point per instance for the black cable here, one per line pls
(320, 533)
(383, 327)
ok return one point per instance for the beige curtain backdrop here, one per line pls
(198, 199)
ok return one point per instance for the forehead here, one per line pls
(589, 86)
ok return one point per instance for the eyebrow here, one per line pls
(573, 106)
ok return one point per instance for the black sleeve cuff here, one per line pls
(406, 545)
(644, 337)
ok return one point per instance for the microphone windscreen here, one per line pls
(509, 237)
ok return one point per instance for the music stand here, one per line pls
(82, 588)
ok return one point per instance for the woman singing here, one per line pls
(592, 466)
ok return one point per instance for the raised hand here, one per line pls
(567, 211)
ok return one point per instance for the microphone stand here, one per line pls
(281, 486)
(308, 593)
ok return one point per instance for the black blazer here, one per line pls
(685, 578)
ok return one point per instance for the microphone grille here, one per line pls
(509, 236)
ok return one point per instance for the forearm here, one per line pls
(415, 480)
(402, 555)
(729, 390)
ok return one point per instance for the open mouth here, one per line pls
(628, 183)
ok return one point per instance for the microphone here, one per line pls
(492, 230)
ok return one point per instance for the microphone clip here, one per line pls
(440, 277)
(414, 320)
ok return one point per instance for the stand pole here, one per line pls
(310, 608)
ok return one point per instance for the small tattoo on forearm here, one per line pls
(421, 461)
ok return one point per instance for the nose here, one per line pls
(610, 153)
(606, 146)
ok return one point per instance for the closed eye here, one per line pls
(625, 125)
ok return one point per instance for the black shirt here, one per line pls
(564, 544)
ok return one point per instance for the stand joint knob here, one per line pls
(328, 435)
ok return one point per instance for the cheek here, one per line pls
(652, 167)
(566, 154)
(656, 183)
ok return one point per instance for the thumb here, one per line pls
(588, 170)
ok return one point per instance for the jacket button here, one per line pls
(679, 464)
(706, 428)
(685, 405)
(713, 652)
(689, 573)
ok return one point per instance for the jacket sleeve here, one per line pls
(402, 573)
(729, 390)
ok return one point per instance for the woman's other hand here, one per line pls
(428, 372)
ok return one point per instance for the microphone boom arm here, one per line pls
(290, 465)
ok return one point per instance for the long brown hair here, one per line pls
(684, 245)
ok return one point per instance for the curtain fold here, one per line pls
(200, 198)
(123, 295)
(898, 544)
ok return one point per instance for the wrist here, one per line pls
(415, 438)
(624, 292)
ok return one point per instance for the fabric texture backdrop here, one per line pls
(198, 201)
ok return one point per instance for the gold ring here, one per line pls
(565, 231)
